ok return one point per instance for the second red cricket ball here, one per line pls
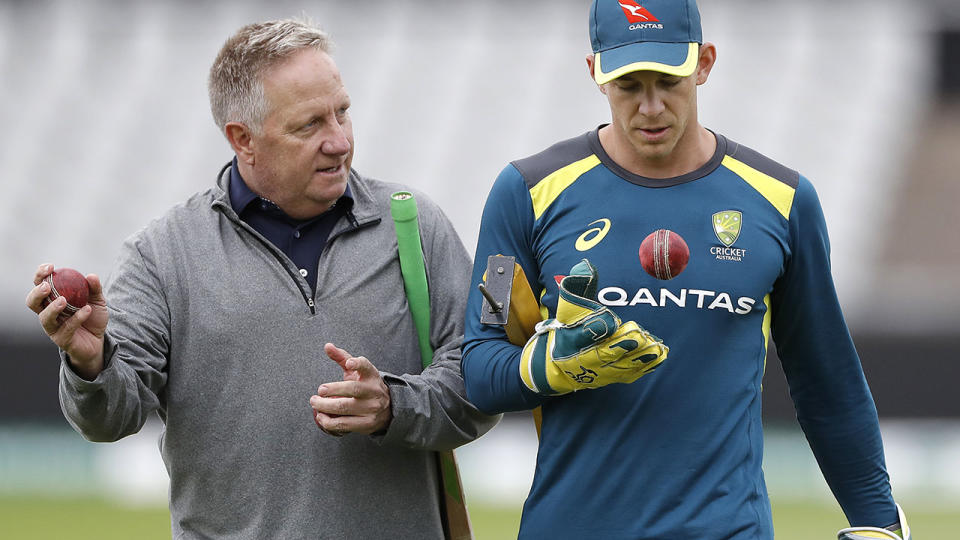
(664, 254)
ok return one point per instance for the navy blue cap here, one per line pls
(636, 35)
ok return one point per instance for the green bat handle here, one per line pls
(403, 207)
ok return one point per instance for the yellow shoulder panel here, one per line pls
(779, 194)
(548, 189)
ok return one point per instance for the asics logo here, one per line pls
(592, 236)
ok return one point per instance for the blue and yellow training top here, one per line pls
(677, 454)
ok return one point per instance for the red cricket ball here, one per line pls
(664, 254)
(70, 284)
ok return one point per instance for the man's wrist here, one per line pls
(385, 417)
(90, 369)
(87, 371)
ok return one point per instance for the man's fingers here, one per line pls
(360, 402)
(71, 324)
(51, 316)
(340, 425)
(353, 389)
(341, 357)
(364, 367)
(60, 326)
(344, 406)
(354, 367)
(319, 419)
(36, 298)
(334, 406)
(95, 287)
(316, 420)
(42, 272)
(37, 295)
(336, 354)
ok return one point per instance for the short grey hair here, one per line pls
(236, 77)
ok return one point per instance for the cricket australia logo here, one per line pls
(727, 225)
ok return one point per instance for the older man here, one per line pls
(281, 280)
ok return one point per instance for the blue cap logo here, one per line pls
(636, 35)
(636, 13)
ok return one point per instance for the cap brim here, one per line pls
(678, 59)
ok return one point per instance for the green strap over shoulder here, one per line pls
(403, 207)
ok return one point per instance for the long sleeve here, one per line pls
(118, 402)
(215, 328)
(491, 362)
(833, 402)
(431, 408)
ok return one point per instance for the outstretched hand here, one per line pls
(79, 335)
(359, 403)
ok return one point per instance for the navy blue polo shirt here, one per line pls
(302, 240)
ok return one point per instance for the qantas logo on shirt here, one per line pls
(694, 298)
(592, 236)
(638, 15)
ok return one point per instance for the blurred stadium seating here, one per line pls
(106, 124)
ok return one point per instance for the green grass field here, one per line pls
(25, 518)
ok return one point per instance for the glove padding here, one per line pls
(586, 346)
(872, 533)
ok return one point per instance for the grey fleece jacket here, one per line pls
(214, 328)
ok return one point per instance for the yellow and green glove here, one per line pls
(901, 531)
(586, 345)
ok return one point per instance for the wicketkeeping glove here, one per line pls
(586, 346)
(872, 533)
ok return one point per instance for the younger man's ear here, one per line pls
(708, 57)
(590, 67)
